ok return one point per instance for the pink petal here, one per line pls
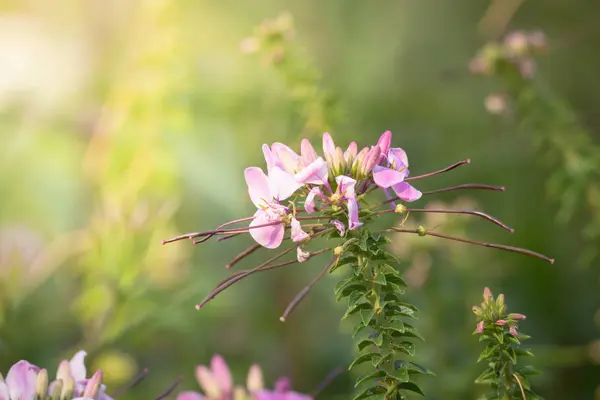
(345, 185)
(397, 155)
(386, 177)
(350, 153)
(189, 396)
(384, 143)
(77, 366)
(21, 381)
(301, 256)
(258, 186)
(268, 395)
(480, 327)
(283, 384)
(297, 396)
(285, 158)
(328, 145)
(315, 173)
(353, 221)
(406, 192)
(268, 156)
(282, 184)
(207, 381)
(4, 391)
(267, 236)
(298, 234)
(308, 152)
(371, 160)
(221, 373)
(309, 203)
(341, 228)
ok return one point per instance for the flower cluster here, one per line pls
(217, 384)
(26, 381)
(499, 330)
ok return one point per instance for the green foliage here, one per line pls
(374, 292)
(498, 331)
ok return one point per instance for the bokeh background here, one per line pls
(123, 123)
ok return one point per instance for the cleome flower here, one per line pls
(26, 381)
(217, 384)
(305, 196)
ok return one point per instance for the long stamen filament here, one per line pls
(198, 234)
(448, 168)
(469, 212)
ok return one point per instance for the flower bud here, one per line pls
(487, 294)
(421, 231)
(93, 386)
(338, 161)
(350, 154)
(63, 371)
(255, 379)
(41, 383)
(513, 331)
(239, 393)
(308, 152)
(516, 43)
(477, 311)
(338, 250)
(358, 160)
(384, 143)
(500, 304)
(480, 327)
(328, 146)
(56, 390)
(371, 160)
(68, 388)
(537, 41)
(516, 316)
(501, 322)
(400, 209)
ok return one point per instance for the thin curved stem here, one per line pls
(448, 168)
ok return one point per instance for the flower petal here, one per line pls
(353, 221)
(4, 391)
(77, 366)
(21, 381)
(407, 192)
(345, 186)
(297, 396)
(315, 173)
(267, 236)
(328, 146)
(285, 158)
(309, 202)
(350, 153)
(386, 177)
(268, 156)
(298, 234)
(268, 395)
(282, 184)
(221, 373)
(283, 384)
(397, 156)
(189, 396)
(258, 186)
(207, 381)
(341, 228)
(308, 152)
(301, 255)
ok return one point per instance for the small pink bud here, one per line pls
(480, 327)
(93, 385)
(307, 151)
(516, 316)
(338, 160)
(513, 331)
(487, 294)
(477, 311)
(350, 153)
(328, 146)
(371, 161)
(384, 143)
(255, 377)
(501, 322)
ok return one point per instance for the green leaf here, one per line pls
(400, 374)
(366, 315)
(357, 329)
(405, 347)
(369, 392)
(500, 337)
(385, 357)
(363, 358)
(486, 353)
(368, 377)
(349, 289)
(352, 260)
(376, 340)
(354, 309)
(413, 368)
(380, 279)
(411, 331)
(341, 284)
(486, 377)
(529, 371)
(397, 328)
(523, 352)
(411, 386)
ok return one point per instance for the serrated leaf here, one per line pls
(363, 358)
(369, 392)
(368, 377)
(486, 377)
(411, 387)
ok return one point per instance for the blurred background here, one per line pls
(123, 123)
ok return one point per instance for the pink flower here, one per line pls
(345, 194)
(309, 202)
(307, 168)
(282, 392)
(341, 228)
(266, 192)
(393, 175)
(513, 331)
(20, 382)
(83, 387)
(216, 381)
